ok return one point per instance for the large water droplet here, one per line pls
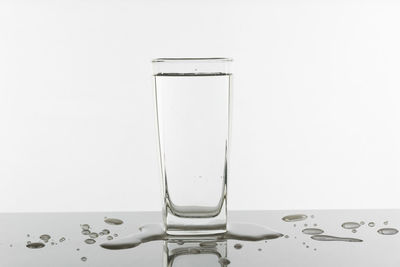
(335, 238)
(294, 218)
(388, 231)
(90, 241)
(351, 225)
(312, 231)
(224, 261)
(238, 246)
(35, 245)
(113, 221)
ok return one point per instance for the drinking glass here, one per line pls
(193, 112)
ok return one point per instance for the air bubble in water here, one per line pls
(294, 218)
(312, 231)
(83, 259)
(238, 246)
(351, 225)
(224, 261)
(388, 231)
(113, 221)
(371, 224)
(35, 245)
(90, 241)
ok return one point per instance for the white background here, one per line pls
(316, 120)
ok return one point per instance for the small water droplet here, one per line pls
(45, 237)
(113, 221)
(294, 225)
(304, 243)
(78, 249)
(286, 236)
(238, 246)
(110, 237)
(312, 216)
(29, 242)
(388, 231)
(52, 243)
(85, 226)
(194, 251)
(208, 244)
(94, 235)
(354, 231)
(11, 245)
(90, 241)
(85, 232)
(307, 246)
(315, 225)
(351, 225)
(28, 235)
(305, 225)
(259, 249)
(312, 231)
(35, 245)
(371, 224)
(62, 239)
(83, 259)
(315, 249)
(362, 223)
(105, 231)
(294, 218)
(295, 237)
(115, 235)
(180, 242)
(224, 261)
(386, 223)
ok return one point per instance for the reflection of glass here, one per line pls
(193, 118)
(194, 254)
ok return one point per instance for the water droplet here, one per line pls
(28, 242)
(371, 224)
(85, 226)
(351, 225)
(362, 223)
(52, 243)
(115, 235)
(286, 236)
(312, 231)
(90, 241)
(45, 237)
(305, 225)
(294, 218)
(354, 231)
(78, 249)
(224, 261)
(315, 249)
(294, 225)
(106, 231)
(83, 259)
(62, 239)
(94, 235)
(259, 249)
(312, 216)
(110, 237)
(295, 237)
(28, 235)
(304, 243)
(388, 231)
(180, 242)
(315, 225)
(208, 244)
(307, 246)
(85, 232)
(238, 246)
(11, 245)
(35, 245)
(113, 221)
(335, 238)
(386, 223)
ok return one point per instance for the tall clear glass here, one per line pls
(193, 108)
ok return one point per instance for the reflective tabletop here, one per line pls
(311, 238)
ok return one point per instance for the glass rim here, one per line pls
(192, 59)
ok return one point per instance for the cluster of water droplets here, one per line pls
(44, 238)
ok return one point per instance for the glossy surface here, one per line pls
(296, 250)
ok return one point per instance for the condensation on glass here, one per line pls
(193, 111)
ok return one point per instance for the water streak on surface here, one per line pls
(208, 244)
(351, 225)
(152, 232)
(312, 231)
(388, 231)
(294, 218)
(335, 238)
